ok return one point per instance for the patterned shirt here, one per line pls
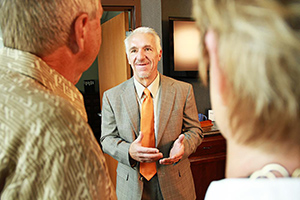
(47, 149)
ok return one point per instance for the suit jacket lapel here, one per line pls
(166, 105)
(131, 105)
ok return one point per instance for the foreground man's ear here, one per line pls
(80, 32)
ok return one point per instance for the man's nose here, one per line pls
(141, 55)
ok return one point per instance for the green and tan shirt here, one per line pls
(47, 149)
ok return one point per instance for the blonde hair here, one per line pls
(143, 30)
(40, 26)
(259, 53)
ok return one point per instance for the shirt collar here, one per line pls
(153, 87)
(35, 68)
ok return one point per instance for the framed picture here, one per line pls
(184, 52)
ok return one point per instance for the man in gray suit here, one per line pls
(177, 129)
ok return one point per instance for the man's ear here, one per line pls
(159, 55)
(80, 31)
(217, 76)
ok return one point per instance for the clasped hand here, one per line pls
(148, 154)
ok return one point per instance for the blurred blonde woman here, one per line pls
(251, 49)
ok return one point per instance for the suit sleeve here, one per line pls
(111, 141)
(191, 126)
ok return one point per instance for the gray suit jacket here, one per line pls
(120, 126)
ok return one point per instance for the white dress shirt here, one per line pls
(154, 88)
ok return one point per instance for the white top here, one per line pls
(257, 189)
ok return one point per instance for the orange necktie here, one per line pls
(148, 170)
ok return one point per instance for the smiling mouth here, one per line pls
(142, 64)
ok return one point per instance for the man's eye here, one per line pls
(148, 49)
(132, 50)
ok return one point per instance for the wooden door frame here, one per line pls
(125, 5)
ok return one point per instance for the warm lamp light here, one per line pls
(186, 42)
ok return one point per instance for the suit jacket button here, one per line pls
(141, 178)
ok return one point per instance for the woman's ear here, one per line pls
(80, 30)
(217, 76)
(211, 45)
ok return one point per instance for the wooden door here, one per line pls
(113, 67)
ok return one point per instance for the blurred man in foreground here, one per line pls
(47, 149)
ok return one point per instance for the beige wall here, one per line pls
(152, 17)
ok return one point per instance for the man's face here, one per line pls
(92, 42)
(143, 56)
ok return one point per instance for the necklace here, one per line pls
(274, 170)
